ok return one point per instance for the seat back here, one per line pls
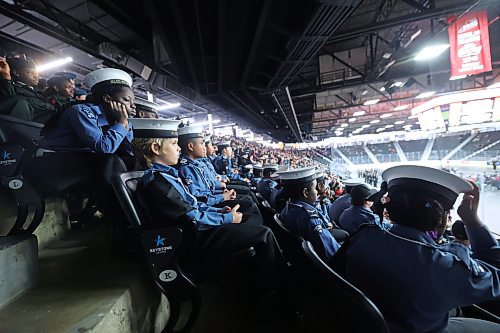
(163, 248)
(290, 243)
(354, 312)
(12, 160)
(19, 131)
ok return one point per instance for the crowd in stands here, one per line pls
(394, 243)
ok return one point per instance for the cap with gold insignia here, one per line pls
(154, 128)
(107, 76)
(298, 176)
(444, 186)
(189, 132)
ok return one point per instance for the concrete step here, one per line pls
(19, 266)
(84, 286)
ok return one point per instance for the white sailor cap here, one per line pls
(354, 181)
(441, 184)
(189, 132)
(106, 76)
(272, 167)
(154, 128)
(258, 167)
(275, 176)
(248, 166)
(320, 172)
(223, 144)
(298, 176)
(207, 138)
(142, 103)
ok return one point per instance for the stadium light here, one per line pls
(426, 94)
(353, 119)
(169, 106)
(382, 89)
(358, 113)
(398, 84)
(413, 116)
(399, 122)
(203, 123)
(431, 52)
(380, 129)
(389, 126)
(372, 101)
(344, 125)
(375, 121)
(365, 126)
(494, 85)
(54, 64)
(385, 115)
(401, 107)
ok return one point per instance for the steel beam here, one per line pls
(424, 15)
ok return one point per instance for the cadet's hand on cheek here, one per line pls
(120, 111)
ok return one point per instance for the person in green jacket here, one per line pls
(19, 96)
(60, 92)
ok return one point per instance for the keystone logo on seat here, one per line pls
(160, 248)
(168, 275)
(6, 160)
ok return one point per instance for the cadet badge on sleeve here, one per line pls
(89, 114)
(318, 229)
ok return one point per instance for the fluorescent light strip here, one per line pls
(431, 52)
(168, 106)
(54, 64)
(372, 102)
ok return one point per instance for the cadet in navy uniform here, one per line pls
(146, 109)
(95, 137)
(266, 185)
(300, 216)
(166, 200)
(257, 174)
(360, 213)
(322, 204)
(192, 169)
(223, 164)
(344, 201)
(414, 281)
(217, 181)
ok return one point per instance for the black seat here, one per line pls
(290, 244)
(352, 310)
(164, 249)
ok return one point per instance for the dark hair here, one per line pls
(183, 142)
(97, 95)
(414, 208)
(294, 191)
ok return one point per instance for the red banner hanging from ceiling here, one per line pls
(470, 44)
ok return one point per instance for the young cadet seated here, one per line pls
(300, 216)
(266, 185)
(360, 213)
(95, 137)
(322, 204)
(191, 171)
(166, 200)
(344, 201)
(223, 164)
(218, 182)
(414, 281)
(146, 109)
(19, 95)
(257, 174)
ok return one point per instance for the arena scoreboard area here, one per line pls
(457, 109)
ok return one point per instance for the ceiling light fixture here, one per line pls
(372, 101)
(375, 121)
(358, 113)
(385, 115)
(426, 94)
(168, 106)
(401, 107)
(431, 52)
(54, 64)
